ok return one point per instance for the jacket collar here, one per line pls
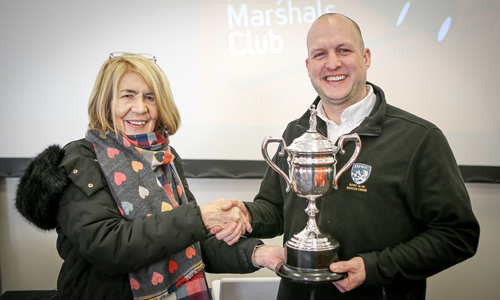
(371, 125)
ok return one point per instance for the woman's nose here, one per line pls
(139, 106)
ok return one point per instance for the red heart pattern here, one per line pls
(157, 278)
(120, 178)
(126, 142)
(179, 190)
(112, 152)
(172, 266)
(190, 252)
(134, 284)
(162, 158)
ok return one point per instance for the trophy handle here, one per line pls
(271, 163)
(349, 137)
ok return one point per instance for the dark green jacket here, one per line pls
(410, 219)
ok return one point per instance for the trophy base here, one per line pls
(305, 265)
(308, 276)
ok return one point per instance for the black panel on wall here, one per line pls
(245, 169)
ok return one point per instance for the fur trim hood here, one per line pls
(40, 188)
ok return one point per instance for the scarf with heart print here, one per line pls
(143, 180)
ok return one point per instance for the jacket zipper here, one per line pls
(384, 295)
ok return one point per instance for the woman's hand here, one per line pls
(229, 224)
(227, 235)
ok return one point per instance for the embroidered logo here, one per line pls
(360, 173)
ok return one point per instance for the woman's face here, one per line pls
(135, 111)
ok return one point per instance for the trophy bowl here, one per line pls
(312, 173)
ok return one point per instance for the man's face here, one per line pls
(337, 62)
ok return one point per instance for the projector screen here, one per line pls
(237, 68)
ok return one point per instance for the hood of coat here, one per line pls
(40, 187)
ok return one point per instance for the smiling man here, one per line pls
(402, 215)
(337, 63)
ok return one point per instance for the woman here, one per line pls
(128, 226)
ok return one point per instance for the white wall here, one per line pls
(52, 50)
(29, 260)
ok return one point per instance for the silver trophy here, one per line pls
(312, 172)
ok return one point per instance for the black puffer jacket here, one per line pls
(64, 189)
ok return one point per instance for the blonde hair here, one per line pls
(101, 116)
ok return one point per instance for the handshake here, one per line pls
(229, 219)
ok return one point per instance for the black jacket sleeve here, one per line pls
(89, 217)
(219, 257)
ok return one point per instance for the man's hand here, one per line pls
(269, 256)
(356, 273)
(228, 235)
(229, 203)
(229, 224)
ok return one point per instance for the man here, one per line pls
(408, 217)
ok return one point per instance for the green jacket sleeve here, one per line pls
(437, 197)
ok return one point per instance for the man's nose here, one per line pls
(333, 61)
